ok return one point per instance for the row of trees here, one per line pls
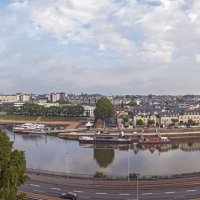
(39, 110)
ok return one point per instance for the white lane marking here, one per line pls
(55, 189)
(191, 190)
(124, 194)
(38, 191)
(33, 185)
(147, 193)
(77, 191)
(100, 193)
(169, 192)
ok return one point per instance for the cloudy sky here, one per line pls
(100, 46)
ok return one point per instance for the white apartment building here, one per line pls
(89, 111)
(7, 98)
(57, 96)
(144, 118)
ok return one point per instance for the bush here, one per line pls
(99, 175)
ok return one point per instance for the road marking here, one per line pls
(169, 192)
(33, 185)
(124, 194)
(147, 193)
(55, 189)
(77, 191)
(191, 190)
(100, 193)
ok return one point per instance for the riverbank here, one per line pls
(68, 124)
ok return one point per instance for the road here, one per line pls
(86, 189)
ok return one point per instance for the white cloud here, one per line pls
(76, 43)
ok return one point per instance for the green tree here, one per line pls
(151, 122)
(125, 120)
(12, 169)
(174, 121)
(140, 122)
(133, 103)
(104, 109)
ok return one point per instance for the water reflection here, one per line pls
(49, 153)
(104, 157)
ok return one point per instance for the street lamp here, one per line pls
(67, 162)
(137, 187)
(128, 167)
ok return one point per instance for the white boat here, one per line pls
(105, 138)
(29, 127)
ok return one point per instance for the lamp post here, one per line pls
(128, 167)
(137, 187)
(67, 162)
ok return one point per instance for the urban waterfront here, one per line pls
(55, 154)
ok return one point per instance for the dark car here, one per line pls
(69, 195)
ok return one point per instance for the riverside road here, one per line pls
(50, 187)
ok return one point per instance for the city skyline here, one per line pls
(106, 46)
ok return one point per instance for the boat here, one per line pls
(155, 139)
(105, 138)
(29, 128)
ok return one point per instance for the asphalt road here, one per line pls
(54, 189)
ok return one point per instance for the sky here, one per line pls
(100, 46)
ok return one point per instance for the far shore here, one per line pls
(188, 133)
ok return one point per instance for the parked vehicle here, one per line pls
(69, 195)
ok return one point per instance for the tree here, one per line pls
(104, 109)
(12, 169)
(133, 103)
(140, 122)
(125, 120)
(151, 122)
(174, 121)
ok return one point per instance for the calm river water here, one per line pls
(52, 153)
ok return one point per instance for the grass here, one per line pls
(43, 118)
(22, 117)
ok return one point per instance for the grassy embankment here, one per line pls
(43, 118)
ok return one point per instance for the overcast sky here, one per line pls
(100, 46)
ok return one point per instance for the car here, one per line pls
(69, 195)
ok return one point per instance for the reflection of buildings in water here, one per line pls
(185, 146)
(190, 146)
(121, 147)
(153, 147)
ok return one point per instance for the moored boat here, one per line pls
(29, 128)
(105, 138)
(155, 139)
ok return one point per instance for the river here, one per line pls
(55, 154)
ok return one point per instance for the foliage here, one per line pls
(133, 103)
(12, 169)
(38, 110)
(104, 109)
(99, 175)
(151, 122)
(174, 121)
(191, 122)
(133, 175)
(140, 122)
(125, 120)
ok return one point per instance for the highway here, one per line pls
(52, 187)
